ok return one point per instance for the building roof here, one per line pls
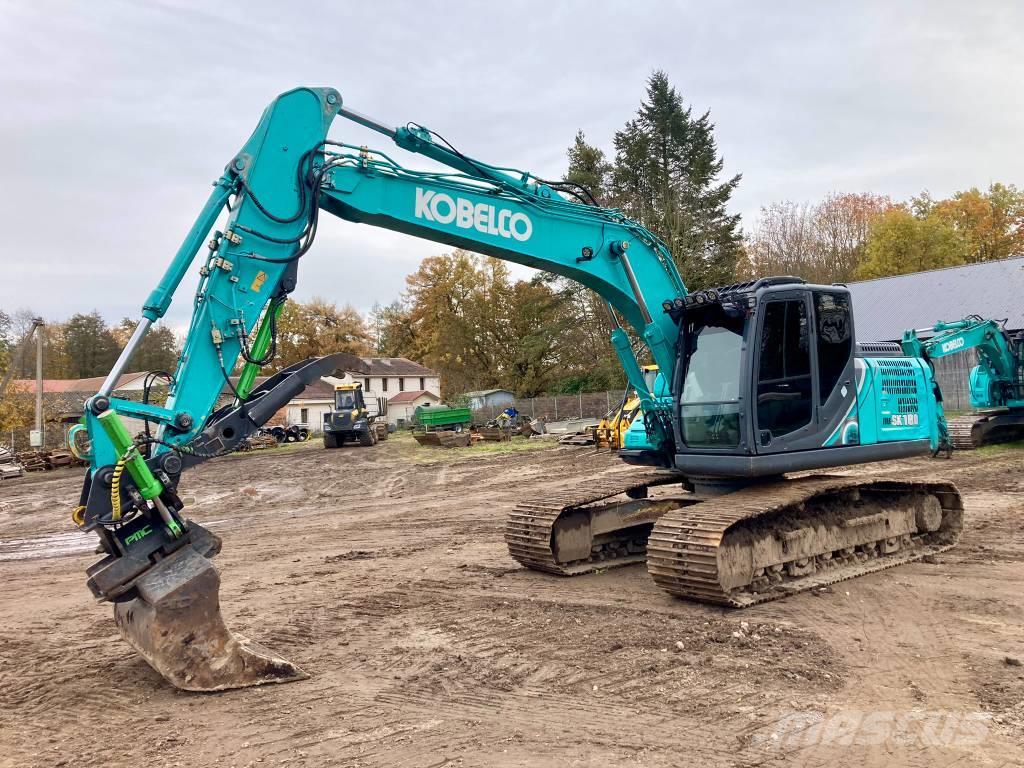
(91, 385)
(393, 366)
(316, 390)
(885, 307)
(408, 397)
(486, 392)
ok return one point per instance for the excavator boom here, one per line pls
(156, 567)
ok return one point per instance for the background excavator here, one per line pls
(610, 432)
(996, 382)
(755, 380)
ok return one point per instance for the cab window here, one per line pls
(784, 387)
(835, 338)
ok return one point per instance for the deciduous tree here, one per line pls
(158, 350)
(900, 242)
(319, 327)
(990, 223)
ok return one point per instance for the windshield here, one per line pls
(344, 400)
(713, 370)
(709, 403)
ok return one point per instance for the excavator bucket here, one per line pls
(175, 624)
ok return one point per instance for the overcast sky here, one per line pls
(116, 116)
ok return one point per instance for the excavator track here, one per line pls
(968, 432)
(567, 535)
(772, 540)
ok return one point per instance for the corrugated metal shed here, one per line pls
(885, 307)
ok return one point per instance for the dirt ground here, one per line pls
(382, 572)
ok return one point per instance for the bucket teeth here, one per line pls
(174, 622)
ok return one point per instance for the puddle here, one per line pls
(52, 545)
(70, 543)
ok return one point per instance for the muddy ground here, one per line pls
(383, 573)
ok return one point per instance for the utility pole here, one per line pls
(39, 386)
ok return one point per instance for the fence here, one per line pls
(585, 405)
(953, 375)
(62, 410)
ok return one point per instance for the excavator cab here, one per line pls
(772, 380)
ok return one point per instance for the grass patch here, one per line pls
(987, 450)
(413, 451)
(312, 443)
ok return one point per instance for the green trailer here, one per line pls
(432, 418)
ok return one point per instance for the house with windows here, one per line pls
(386, 377)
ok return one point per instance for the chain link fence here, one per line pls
(585, 405)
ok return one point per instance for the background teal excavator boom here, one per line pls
(996, 382)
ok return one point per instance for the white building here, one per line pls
(311, 405)
(387, 377)
(403, 405)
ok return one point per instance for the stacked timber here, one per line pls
(495, 434)
(39, 461)
(257, 443)
(9, 466)
(586, 437)
(59, 459)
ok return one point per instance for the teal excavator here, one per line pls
(996, 382)
(758, 379)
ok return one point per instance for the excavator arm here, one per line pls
(156, 568)
(996, 380)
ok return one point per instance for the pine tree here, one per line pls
(666, 176)
(90, 345)
(589, 168)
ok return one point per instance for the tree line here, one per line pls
(81, 347)
(848, 237)
(463, 315)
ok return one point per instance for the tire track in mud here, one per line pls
(905, 652)
(428, 647)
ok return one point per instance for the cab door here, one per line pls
(784, 387)
(804, 384)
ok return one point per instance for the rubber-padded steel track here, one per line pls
(529, 527)
(687, 550)
(960, 429)
(967, 432)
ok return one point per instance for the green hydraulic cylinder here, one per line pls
(260, 345)
(147, 483)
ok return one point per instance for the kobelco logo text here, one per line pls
(949, 346)
(442, 208)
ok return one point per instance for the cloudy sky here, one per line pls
(116, 116)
